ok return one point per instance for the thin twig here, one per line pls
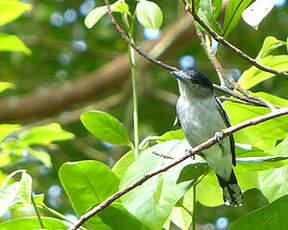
(204, 145)
(37, 212)
(164, 65)
(222, 74)
(239, 102)
(220, 39)
(133, 45)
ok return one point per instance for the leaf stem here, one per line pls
(37, 212)
(134, 87)
(194, 208)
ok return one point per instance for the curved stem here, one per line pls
(37, 212)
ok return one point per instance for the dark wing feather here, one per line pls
(226, 119)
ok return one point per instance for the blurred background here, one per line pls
(73, 69)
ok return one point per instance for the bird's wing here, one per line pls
(227, 121)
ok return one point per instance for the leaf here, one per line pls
(206, 14)
(216, 6)
(6, 130)
(10, 42)
(257, 11)
(12, 9)
(274, 183)
(181, 218)
(87, 183)
(273, 216)
(6, 85)
(45, 135)
(193, 171)
(152, 203)
(253, 75)
(25, 189)
(233, 14)
(106, 127)
(95, 15)
(270, 43)
(272, 130)
(8, 196)
(27, 223)
(149, 14)
(172, 135)
(123, 163)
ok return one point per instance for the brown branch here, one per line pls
(204, 145)
(225, 43)
(133, 45)
(222, 74)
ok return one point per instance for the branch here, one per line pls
(204, 145)
(251, 100)
(206, 43)
(225, 43)
(133, 45)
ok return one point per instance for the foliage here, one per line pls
(167, 198)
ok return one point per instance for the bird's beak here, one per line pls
(180, 75)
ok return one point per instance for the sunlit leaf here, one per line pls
(87, 183)
(7, 129)
(123, 163)
(8, 196)
(253, 75)
(257, 11)
(12, 9)
(233, 13)
(45, 135)
(106, 127)
(149, 14)
(6, 85)
(270, 43)
(26, 223)
(10, 42)
(95, 15)
(153, 202)
(25, 188)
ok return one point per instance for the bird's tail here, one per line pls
(232, 194)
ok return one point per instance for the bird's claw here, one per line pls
(190, 152)
(218, 136)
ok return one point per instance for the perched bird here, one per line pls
(201, 116)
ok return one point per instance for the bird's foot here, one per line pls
(219, 138)
(190, 152)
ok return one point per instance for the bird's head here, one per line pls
(193, 81)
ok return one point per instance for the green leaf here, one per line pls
(216, 6)
(87, 183)
(95, 15)
(149, 14)
(10, 42)
(153, 202)
(45, 135)
(272, 130)
(12, 9)
(28, 223)
(273, 216)
(270, 43)
(123, 163)
(172, 135)
(106, 127)
(6, 85)
(233, 14)
(181, 218)
(8, 196)
(6, 130)
(253, 75)
(274, 183)
(206, 14)
(193, 171)
(25, 189)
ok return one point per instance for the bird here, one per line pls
(202, 116)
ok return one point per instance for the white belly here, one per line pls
(199, 125)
